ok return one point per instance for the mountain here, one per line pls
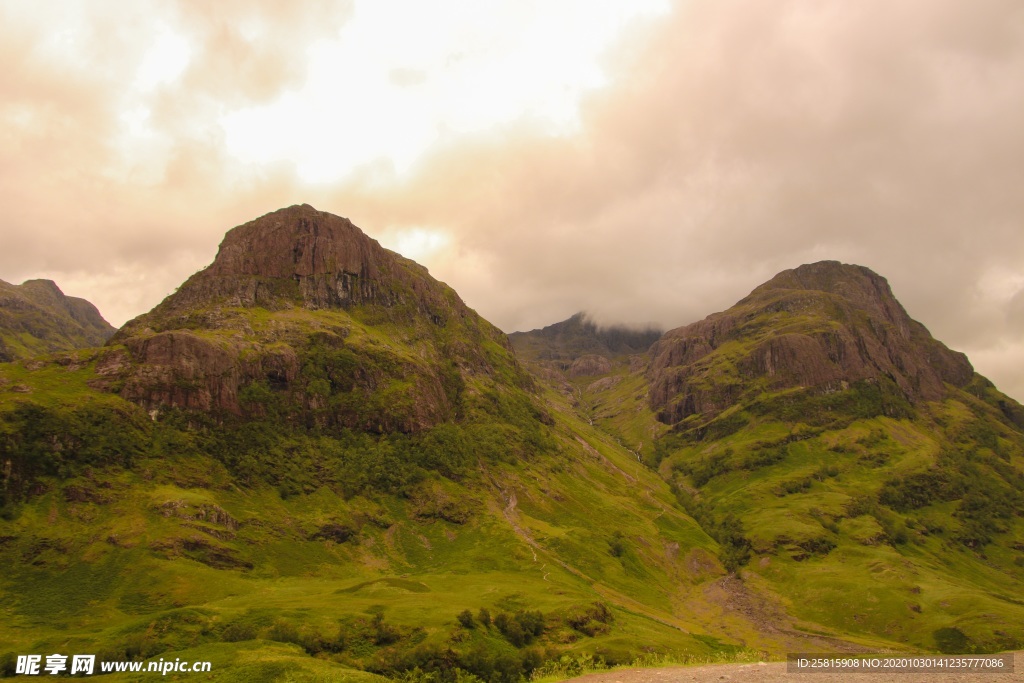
(590, 365)
(569, 340)
(36, 318)
(313, 460)
(821, 327)
(301, 308)
(843, 458)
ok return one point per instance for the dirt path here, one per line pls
(775, 672)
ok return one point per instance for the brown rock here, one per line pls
(603, 384)
(821, 326)
(590, 364)
(205, 344)
(183, 370)
(299, 257)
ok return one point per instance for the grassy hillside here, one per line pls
(908, 527)
(313, 459)
(345, 473)
(37, 318)
(867, 514)
(270, 544)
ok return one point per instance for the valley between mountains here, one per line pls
(313, 461)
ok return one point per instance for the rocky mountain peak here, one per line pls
(302, 310)
(298, 257)
(301, 242)
(42, 287)
(822, 326)
(856, 285)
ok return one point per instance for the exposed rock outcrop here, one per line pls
(822, 326)
(590, 364)
(299, 256)
(261, 326)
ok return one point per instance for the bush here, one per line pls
(520, 628)
(591, 620)
(284, 632)
(465, 618)
(818, 546)
(617, 544)
(951, 640)
(8, 665)
(238, 631)
(917, 490)
(765, 457)
(792, 486)
(384, 634)
(708, 468)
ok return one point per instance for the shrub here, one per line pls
(591, 620)
(917, 490)
(617, 544)
(952, 641)
(520, 628)
(238, 631)
(8, 665)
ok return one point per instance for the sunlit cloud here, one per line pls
(163, 62)
(387, 90)
(644, 161)
(418, 244)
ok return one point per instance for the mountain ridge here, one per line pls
(296, 275)
(817, 326)
(837, 453)
(36, 318)
(314, 453)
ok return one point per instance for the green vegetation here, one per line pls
(385, 492)
(865, 515)
(904, 527)
(286, 541)
(36, 318)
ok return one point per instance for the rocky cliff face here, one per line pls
(822, 326)
(301, 309)
(301, 257)
(37, 318)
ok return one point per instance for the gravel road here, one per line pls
(775, 672)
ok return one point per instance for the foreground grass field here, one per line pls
(172, 556)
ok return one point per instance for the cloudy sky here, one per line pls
(649, 161)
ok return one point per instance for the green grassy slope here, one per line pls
(268, 547)
(908, 528)
(868, 515)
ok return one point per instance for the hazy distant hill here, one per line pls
(578, 336)
(36, 318)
